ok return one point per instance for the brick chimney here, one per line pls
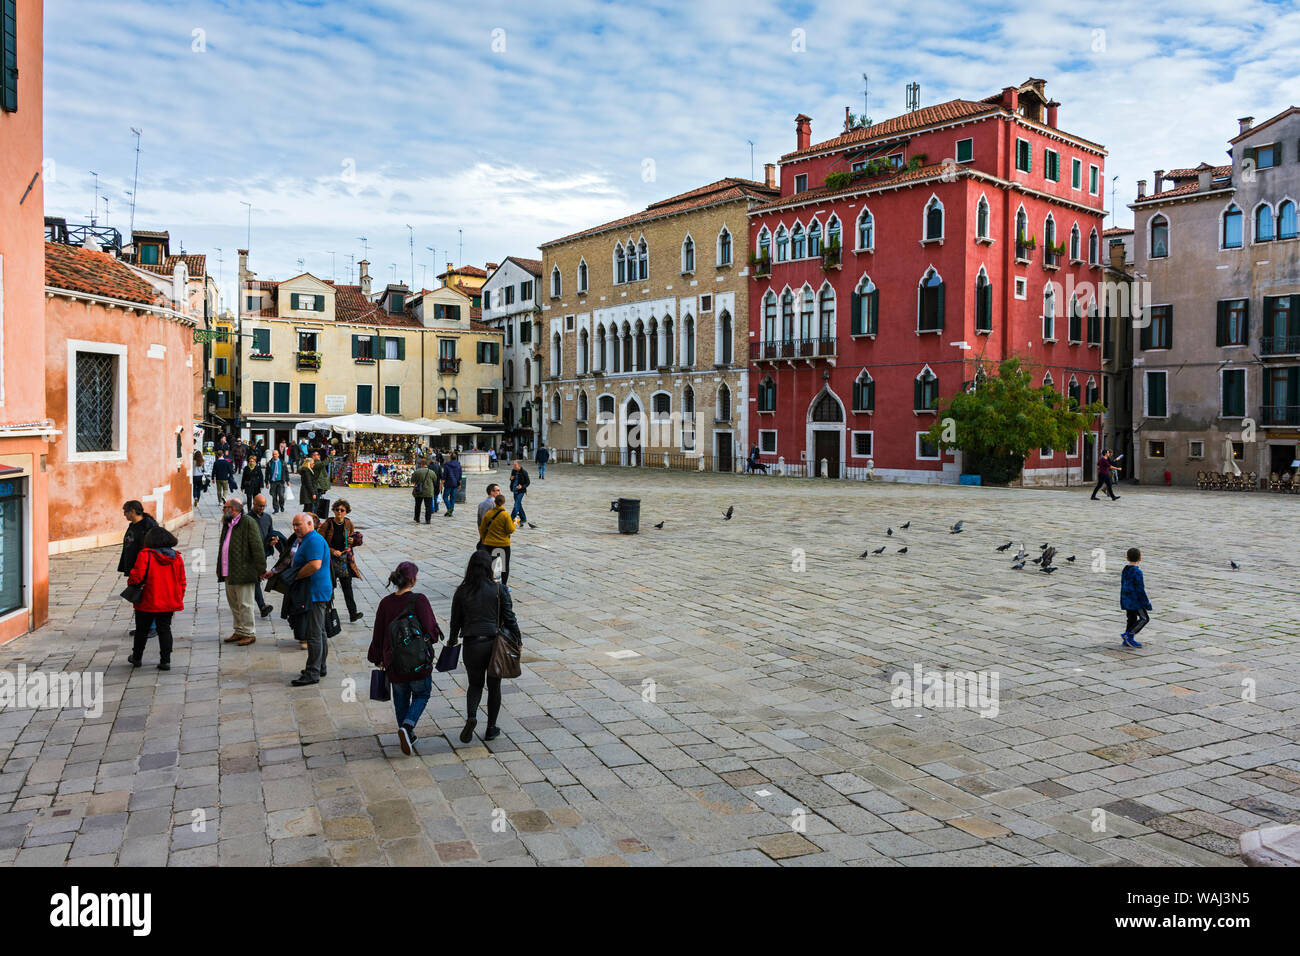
(1142, 188)
(1052, 107)
(1244, 123)
(1158, 181)
(364, 266)
(769, 175)
(803, 131)
(848, 118)
(1011, 99)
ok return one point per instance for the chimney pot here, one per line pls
(1158, 181)
(1244, 123)
(769, 175)
(803, 131)
(1051, 114)
(1011, 98)
(1142, 188)
(848, 116)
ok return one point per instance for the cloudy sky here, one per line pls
(501, 125)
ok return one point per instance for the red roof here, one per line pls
(1117, 231)
(75, 269)
(533, 266)
(902, 177)
(195, 265)
(464, 271)
(724, 190)
(1195, 172)
(897, 125)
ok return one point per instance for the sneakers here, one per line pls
(356, 617)
(467, 734)
(404, 738)
(1130, 640)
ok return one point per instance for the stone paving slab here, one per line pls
(711, 693)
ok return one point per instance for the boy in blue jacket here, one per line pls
(1133, 598)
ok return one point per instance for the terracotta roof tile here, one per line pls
(1194, 172)
(1118, 231)
(533, 266)
(196, 265)
(902, 177)
(464, 271)
(897, 125)
(724, 190)
(75, 269)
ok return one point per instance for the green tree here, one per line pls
(1005, 417)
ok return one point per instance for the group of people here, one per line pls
(237, 466)
(433, 477)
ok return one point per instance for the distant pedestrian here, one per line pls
(222, 473)
(307, 490)
(138, 525)
(1105, 471)
(399, 617)
(1133, 598)
(311, 563)
(479, 607)
(435, 466)
(263, 518)
(241, 560)
(519, 482)
(198, 475)
(492, 457)
(252, 482)
(322, 473)
(542, 457)
(160, 571)
(277, 473)
(487, 504)
(423, 488)
(451, 478)
(494, 531)
(342, 537)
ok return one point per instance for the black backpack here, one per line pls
(411, 650)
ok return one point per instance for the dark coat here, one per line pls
(133, 542)
(222, 470)
(519, 480)
(476, 614)
(247, 551)
(252, 482)
(308, 477)
(1132, 590)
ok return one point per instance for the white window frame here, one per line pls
(583, 275)
(717, 248)
(919, 456)
(581, 438)
(1076, 166)
(1021, 287)
(763, 432)
(1094, 173)
(943, 220)
(1155, 441)
(1057, 154)
(857, 231)
(957, 150)
(801, 183)
(853, 443)
(1015, 157)
(120, 415)
(1191, 449)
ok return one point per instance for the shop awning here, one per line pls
(445, 426)
(368, 424)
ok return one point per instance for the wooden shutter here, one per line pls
(1144, 334)
(916, 393)
(986, 303)
(873, 311)
(1169, 327)
(938, 307)
(855, 312)
(320, 303)
(356, 344)
(293, 300)
(1221, 325)
(9, 57)
(1245, 322)
(401, 349)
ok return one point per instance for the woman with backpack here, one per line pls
(479, 607)
(160, 571)
(405, 629)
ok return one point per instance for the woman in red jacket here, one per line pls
(161, 570)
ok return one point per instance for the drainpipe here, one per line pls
(422, 338)
(379, 357)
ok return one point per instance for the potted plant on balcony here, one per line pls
(762, 265)
(831, 255)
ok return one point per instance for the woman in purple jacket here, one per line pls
(410, 691)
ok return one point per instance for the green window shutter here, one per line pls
(1144, 334)
(938, 307)
(282, 398)
(356, 345)
(320, 303)
(855, 314)
(916, 393)
(307, 398)
(9, 57)
(988, 305)
(293, 300)
(401, 350)
(261, 397)
(1221, 325)
(873, 311)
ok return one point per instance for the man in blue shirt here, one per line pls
(312, 561)
(276, 476)
(451, 476)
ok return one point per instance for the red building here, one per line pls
(903, 257)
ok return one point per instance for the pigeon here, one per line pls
(1048, 555)
(531, 525)
(879, 550)
(1004, 547)
(890, 532)
(902, 551)
(660, 524)
(906, 526)
(1021, 554)
(865, 553)
(1038, 560)
(1235, 565)
(1018, 566)
(730, 511)
(1070, 559)
(955, 529)
(1047, 569)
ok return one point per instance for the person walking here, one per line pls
(542, 457)
(311, 563)
(486, 505)
(222, 473)
(342, 537)
(479, 607)
(451, 478)
(252, 482)
(277, 473)
(410, 691)
(1104, 471)
(160, 571)
(198, 476)
(263, 519)
(241, 560)
(494, 531)
(322, 473)
(519, 482)
(307, 490)
(138, 525)
(435, 466)
(1133, 598)
(423, 488)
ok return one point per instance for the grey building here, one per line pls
(1216, 356)
(1117, 349)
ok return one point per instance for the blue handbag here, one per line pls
(449, 657)
(379, 689)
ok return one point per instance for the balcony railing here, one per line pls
(1281, 415)
(308, 361)
(448, 366)
(771, 351)
(1281, 344)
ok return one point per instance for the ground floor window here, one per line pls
(1155, 449)
(582, 438)
(863, 444)
(926, 450)
(767, 441)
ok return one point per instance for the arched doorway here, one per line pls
(825, 435)
(632, 432)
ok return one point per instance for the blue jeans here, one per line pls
(541, 469)
(409, 700)
(519, 507)
(449, 499)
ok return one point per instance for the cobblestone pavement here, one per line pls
(769, 735)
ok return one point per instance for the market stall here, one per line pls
(374, 450)
(472, 461)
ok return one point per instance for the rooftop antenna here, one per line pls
(394, 267)
(435, 259)
(300, 268)
(411, 241)
(135, 184)
(351, 266)
(751, 158)
(866, 99)
(1112, 199)
(220, 274)
(94, 203)
(248, 243)
(460, 247)
(333, 276)
(913, 97)
(365, 247)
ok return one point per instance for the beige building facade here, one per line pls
(644, 330)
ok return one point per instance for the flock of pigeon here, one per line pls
(1044, 560)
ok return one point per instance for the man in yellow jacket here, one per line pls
(495, 530)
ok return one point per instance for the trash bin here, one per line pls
(629, 514)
